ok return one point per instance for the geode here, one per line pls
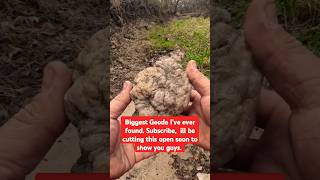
(163, 89)
(236, 87)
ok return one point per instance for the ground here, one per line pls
(33, 33)
(191, 34)
(130, 50)
(137, 43)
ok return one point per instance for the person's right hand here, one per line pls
(200, 98)
(291, 113)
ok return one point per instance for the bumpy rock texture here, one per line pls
(236, 85)
(86, 104)
(163, 89)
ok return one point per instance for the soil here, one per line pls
(130, 51)
(33, 33)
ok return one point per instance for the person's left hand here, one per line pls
(30, 133)
(122, 156)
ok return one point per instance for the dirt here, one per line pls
(130, 50)
(35, 32)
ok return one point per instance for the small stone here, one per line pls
(202, 176)
(199, 168)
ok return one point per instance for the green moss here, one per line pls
(192, 35)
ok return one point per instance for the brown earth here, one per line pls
(35, 32)
(130, 50)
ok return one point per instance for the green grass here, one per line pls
(192, 35)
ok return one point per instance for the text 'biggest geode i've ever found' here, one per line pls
(163, 89)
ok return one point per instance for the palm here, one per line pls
(123, 156)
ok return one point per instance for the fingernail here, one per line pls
(271, 13)
(193, 65)
(48, 77)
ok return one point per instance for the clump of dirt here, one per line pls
(188, 167)
(163, 89)
(35, 32)
(130, 49)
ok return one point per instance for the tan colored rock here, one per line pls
(163, 89)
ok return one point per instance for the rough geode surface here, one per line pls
(85, 104)
(236, 86)
(163, 89)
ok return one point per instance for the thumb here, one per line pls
(200, 82)
(292, 69)
(121, 101)
(29, 134)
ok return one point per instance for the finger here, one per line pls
(121, 101)
(200, 82)
(29, 134)
(195, 96)
(271, 106)
(195, 106)
(192, 108)
(204, 136)
(291, 68)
